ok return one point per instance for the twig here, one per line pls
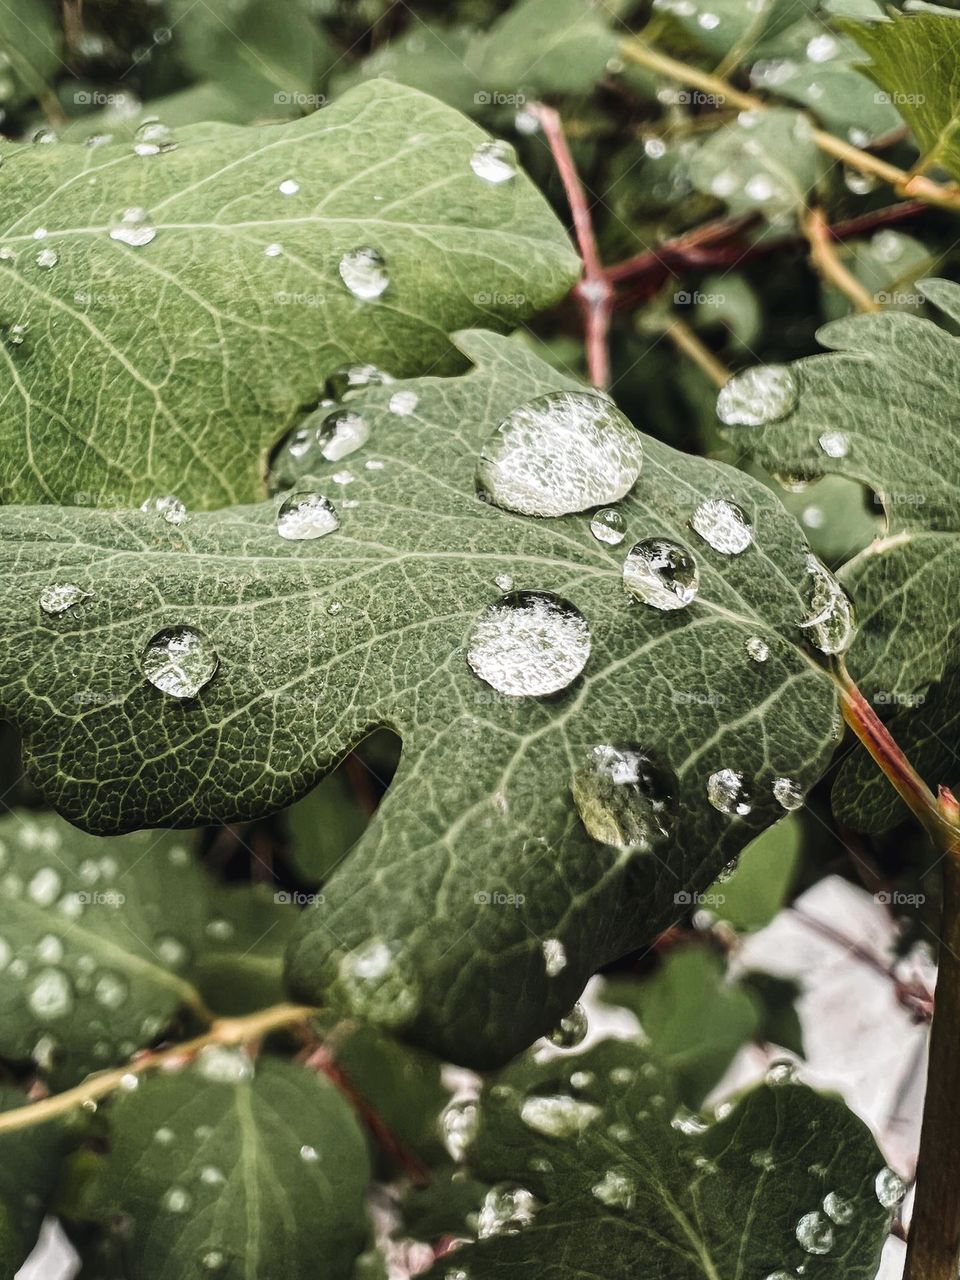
(225, 1031)
(916, 185)
(685, 340)
(594, 292)
(827, 262)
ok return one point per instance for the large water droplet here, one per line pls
(61, 596)
(727, 792)
(168, 508)
(179, 661)
(562, 452)
(661, 574)
(571, 1030)
(889, 1188)
(342, 433)
(557, 1115)
(815, 1233)
(50, 995)
(303, 516)
(176, 1200)
(624, 797)
(829, 621)
(757, 649)
(529, 644)
(376, 984)
(153, 137)
(838, 1209)
(608, 526)
(505, 1211)
(765, 393)
(787, 793)
(364, 272)
(133, 227)
(493, 161)
(723, 526)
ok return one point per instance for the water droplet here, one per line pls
(50, 995)
(554, 956)
(560, 453)
(757, 649)
(334, 607)
(220, 929)
(44, 137)
(213, 1260)
(308, 1154)
(47, 258)
(616, 1189)
(830, 619)
(224, 1064)
(505, 1211)
(503, 581)
(787, 793)
(153, 137)
(834, 444)
(111, 990)
(625, 798)
(726, 792)
(688, 1122)
(529, 644)
(342, 433)
(571, 1030)
(176, 1200)
(889, 1188)
(44, 887)
(822, 48)
(289, 187)
(783, 1071)
(762, 394)
(723, 526)
(815, 1233)
(494, 161)
(459, 1124)
(364, 272)
(558, 1115)
(168, 508)
(838, 1209)
(608, 526)
(133, 227)
(353, 377)
(49, 949)
(62, 596)
(303, 516)
(403, 403)
(273, 250)
(661, 574)
(179, 661)
(376, 985)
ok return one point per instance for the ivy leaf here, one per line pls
(876, 411)
(173, 365)
(914, 50)
(238, 1172)
(477, 857)
(29, 1170)
(623, 1190)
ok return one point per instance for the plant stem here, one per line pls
(594, 293)
(915, 185)
(827, 262)
(225, 1031)
(685, 340)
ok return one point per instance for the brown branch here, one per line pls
(686, 341)
(828, 264)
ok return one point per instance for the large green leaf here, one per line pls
(627, 1184)
(29, 1170)
(477, 856)
(129, 372)
(223, 1170)
(882, 410)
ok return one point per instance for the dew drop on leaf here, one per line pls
(559, 453)
(289, 187)
(213, 1260)
(815, 1233)
(662, 574)
(529, 644)
(111, 990)
(308, 1154)
(625, 798)
(608, 526)
(889, 1188)
(757, 649)
(503, 582)
(403, 403)
(353, 377)
(557, 1115)
(723, 526)
(153, 137)
(364, 272)
(50, 995)
(176, 1200)
(688, 1122)
(179, 661)
(224, 1064)
(829, 620)
(133, 227)
(554, 956)
(61, 596)
(494, 161)
(571, 1030)
(505, 1211)
(304, 516)
(168, 508)
(764, 393)
(616, 1189)
(47, 258)
(838, 1209)
(459, 1125)
(375, 985)
(834, 444)
(726, 791)
(44, 887)
(787, 794)
(342, 433)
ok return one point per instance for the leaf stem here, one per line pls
(908, 184)
(685, 340)
(827, 262)
(224, 1031)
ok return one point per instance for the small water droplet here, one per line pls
(505, 1211)
(688, 1122)
(529, 644)
(168, 508)
(494, 161)
(47, 258)
(554, 956)
(213, 1260)
(571, 1030)
(757, 649)
(661, 574)
(133, 227)
(62, 596)
(44, 137)
(815, 1233)
(459, 1124)
(762, 394)
(558, 1115)
(50, 995)
(111, 990)
(625, 798)
(353, 377)
(723, 526)
(342, 433)
(153, 137)
(334, 607)
(834, 444)
(830, 620)
(364, 272)
(377, 985)
(164, 1136)
(224, 1064)
(44, 887)
(616, 1189)
(726, 791)
(308, 1154)
(403, 403)
(171, 950)
(838, 1209)
(559, 453)
(889, 1188)
(289, 187)
(609, 526)
(273, 250)
(179, 661)
(787, 793)
(783, 1071)
(176, 1200)
(49, 949)
(303, 516)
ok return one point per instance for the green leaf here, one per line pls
(319, 641)
(623, 1192)
(544, 46)
(174, 366)
(913, 59)
(760, 884)
(239, 962)
(29, 50)
(29, 1170)
(239, 1173)
(883, 401)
